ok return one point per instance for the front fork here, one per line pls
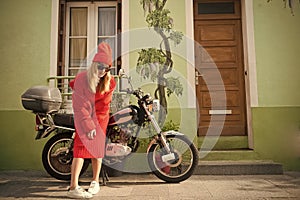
(157, 128)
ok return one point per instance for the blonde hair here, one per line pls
(95, 83)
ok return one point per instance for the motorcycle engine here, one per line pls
(118, 139)
(119, 135)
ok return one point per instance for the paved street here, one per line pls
(38, 185)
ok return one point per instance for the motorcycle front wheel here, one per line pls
(177, 166)
(57, 156)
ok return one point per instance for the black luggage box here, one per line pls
(42, 99)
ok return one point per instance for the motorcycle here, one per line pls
(171, 156)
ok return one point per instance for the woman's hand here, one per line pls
(91, 135)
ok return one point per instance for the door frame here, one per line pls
(249, 58)
(249, 64)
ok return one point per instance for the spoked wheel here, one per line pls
(177, 166)
(58, 156)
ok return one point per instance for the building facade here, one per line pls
(237, 63)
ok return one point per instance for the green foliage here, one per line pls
(149, 63)
(174, 86)
(170, 125)
(150, 5)
(289, 3)
(155, 63)
(150, 55)
(176, 37)
(160, 19)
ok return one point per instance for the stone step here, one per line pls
(244, 167)
(223, 142)
(233, 162)
(241, 154)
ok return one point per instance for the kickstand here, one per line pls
(104, 175)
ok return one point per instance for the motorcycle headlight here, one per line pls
(154, 106)
(150, 107)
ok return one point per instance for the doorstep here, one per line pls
(242, 167)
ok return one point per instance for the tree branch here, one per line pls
(163, 4)
(155, 93)
(169, 62)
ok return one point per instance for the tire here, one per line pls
(57, 158)
(178, 169)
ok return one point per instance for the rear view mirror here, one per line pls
(121, 73)
(125, 81)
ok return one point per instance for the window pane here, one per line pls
(111, 41)
(106, 21)
(216, 8)
(78, 22)
(78, 53)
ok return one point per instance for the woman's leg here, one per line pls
(96, 166)
(75, 171)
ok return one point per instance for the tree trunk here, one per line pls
(162, 98)
(161, 81)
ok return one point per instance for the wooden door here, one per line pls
(220, 74)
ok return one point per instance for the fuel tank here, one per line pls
(128, 114)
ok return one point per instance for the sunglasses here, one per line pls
(102, 67)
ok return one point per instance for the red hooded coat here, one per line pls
(91, 111)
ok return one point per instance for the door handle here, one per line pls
(197, 75)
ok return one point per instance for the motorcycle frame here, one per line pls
(46, 120)
(44, 132)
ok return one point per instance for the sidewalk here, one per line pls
(39, 185)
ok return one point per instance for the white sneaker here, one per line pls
(79, 193)
(94, 187)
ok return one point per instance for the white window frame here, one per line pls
(92, 30)
(54, 38)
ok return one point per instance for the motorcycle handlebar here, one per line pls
(138, 93)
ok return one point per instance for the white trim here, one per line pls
(249, 50)
(125, 36)
(250, 64)
(190, 54)
(54, 37)
(92, 33)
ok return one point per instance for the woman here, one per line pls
(92, 94)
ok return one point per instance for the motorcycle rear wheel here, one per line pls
(181, 166)
(57, 156)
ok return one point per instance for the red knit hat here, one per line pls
(104, 54)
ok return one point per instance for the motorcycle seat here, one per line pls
(64, 119)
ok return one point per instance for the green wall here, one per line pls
(24, 48)
(25, 53)
(141, 36)
(18, 147)
(277, 135)
(276, 120)
(25, 56)
(277, 46)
